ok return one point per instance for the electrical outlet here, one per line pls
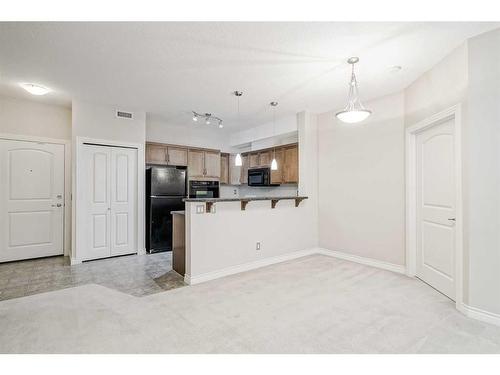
(212, 209)
(200, 209)
(257, 246)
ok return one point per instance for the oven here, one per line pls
(203, 189)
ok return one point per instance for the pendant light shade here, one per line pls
(274, 165)
(354, 111)
(237, 160)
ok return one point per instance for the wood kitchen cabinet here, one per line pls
(265, 158)
(156, 154)
(253, 160)
(212, 164)
(291, 164)
(244, 169)
(166, 155)
(177, 156)
(224, 169)
(234, 171)
(203, 164)
(196, 163)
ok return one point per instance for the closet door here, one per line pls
(96, 199)
(123, 201)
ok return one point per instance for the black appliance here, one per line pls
(165, 190)
(260, 177)
(203, 189)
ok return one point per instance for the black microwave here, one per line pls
(260, 177)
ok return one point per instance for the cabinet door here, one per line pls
(177, 156)
(156, 154)
(196, 163)
(291, 170)
(254, 160)
(212, 164)
(265, 158)
(244, 169)
(224, 168)
(277, 175)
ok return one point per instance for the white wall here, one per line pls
(481, 158)
(26, 117)
(361, 182)
(439, 88)
(193, 134)
(283, 126)
(99, 122)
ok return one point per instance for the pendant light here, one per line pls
(238, 162)
(274, 163)
(354, 111)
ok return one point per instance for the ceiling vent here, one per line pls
(124, 114)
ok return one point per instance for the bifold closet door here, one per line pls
(109, 194)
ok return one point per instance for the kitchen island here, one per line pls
(224, 236)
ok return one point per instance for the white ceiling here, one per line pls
(168, 69)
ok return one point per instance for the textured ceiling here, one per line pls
(168, 69)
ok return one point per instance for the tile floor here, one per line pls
(135, 275)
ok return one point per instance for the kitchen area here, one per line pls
(179, 178)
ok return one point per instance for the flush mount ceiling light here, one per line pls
(354, 111)
(208, 118)
(238, 162)
(35, 89)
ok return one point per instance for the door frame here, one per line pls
(67, 179)
(78, 213)
(453, 112)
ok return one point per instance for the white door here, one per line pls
(31, 199)
(435, 188)
(109, 196)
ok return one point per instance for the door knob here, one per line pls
(57, 205)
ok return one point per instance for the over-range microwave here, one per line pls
(260, 177)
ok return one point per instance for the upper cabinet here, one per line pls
(291, 164)
(177, 156)
(244, 169)
(277, 175)
(203, 164)
(156, 154)
(224, 169)
(196, 163)
(164, 154)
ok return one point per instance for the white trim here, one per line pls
(363, 260)
(482, 315)
(411, 249)
(79, 141)
(289, 256)
(67, 179)
(247, 266)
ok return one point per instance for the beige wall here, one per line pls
(361, 182)
(439, 88)
(26, 117)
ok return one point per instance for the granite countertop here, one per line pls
(243, 199)
(178, 212)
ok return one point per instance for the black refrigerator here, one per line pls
(166, 186)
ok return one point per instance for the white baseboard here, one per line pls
(482, 315)
(366, 261)
(247, 266)
(74, 261)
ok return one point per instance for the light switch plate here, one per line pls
(200, 209)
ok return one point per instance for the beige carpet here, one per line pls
(315, 304)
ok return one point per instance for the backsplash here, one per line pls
(231, 191)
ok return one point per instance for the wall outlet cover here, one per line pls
(200, 209)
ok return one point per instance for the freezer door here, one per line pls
(168, 181)
(161, 222)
